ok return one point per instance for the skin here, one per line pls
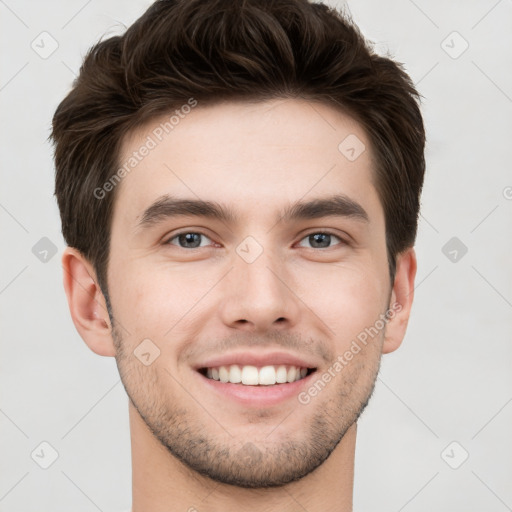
(189, 445)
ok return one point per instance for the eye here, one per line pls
(322, 240)
(193, 239)
(188, 240)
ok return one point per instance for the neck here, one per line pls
(162, 483)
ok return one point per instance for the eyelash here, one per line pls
(176, 235)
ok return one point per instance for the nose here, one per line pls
(259, 296)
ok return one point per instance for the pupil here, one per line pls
(190, 238)
(317, 237)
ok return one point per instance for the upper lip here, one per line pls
(257, 359)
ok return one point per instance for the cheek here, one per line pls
(156, 297)
(347, 299)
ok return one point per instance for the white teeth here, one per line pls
(254, 376)
(281, 374)
(267, 376)
(250, 375)
(223, 374)
(235, 374)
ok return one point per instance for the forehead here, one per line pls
(246, 155)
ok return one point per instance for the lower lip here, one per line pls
(259, 396)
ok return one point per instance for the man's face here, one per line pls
(256, 284)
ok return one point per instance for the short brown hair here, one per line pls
(216, 50)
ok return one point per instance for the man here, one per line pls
(239, 187)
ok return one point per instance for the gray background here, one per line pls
(449, 382)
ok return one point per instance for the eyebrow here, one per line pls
(167, 207)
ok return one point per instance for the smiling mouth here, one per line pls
(249, 375)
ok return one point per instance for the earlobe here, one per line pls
(87, 303)
(401, 300)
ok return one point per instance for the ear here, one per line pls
(86, 302)
(400, 304)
